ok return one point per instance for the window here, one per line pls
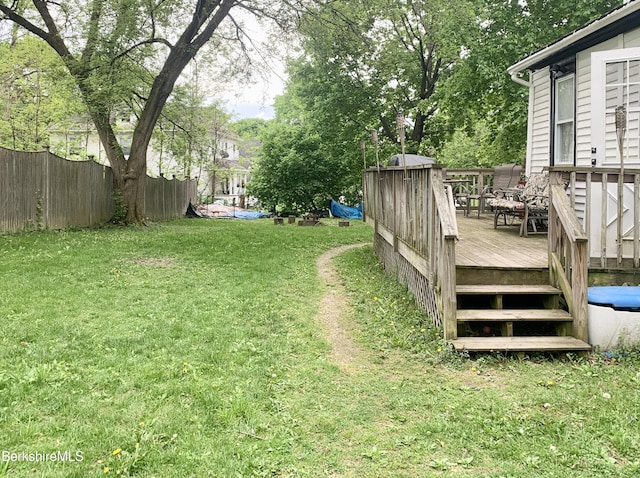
(563, 151)
(616, 85)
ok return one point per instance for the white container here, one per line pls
(610, 328)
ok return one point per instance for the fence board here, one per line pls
(42, 190)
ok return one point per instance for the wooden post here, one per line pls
(446, 255)
(553, 228)
(603, 221)
(448, 290)
(579, 274)
(636, 221)
(395, 211)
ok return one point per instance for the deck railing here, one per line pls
(568, 255)
(415, 234)
(478, 178)
(468, 182)
(607, 203)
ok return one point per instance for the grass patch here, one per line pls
(190, 349)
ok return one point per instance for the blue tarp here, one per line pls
(347, 212)
(249, 215)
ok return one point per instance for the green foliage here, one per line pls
(364, 63)
(294, 172)
(479, 89)
(249, 128)
(119, 208)
(481, 149)
(38, 95)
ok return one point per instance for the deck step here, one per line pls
(512, 315)
(506, 289)
(520, 344)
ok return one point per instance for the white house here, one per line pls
(224, 181)
(578, 86)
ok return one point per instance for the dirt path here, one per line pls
(344, 352)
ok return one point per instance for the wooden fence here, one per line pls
(42, 190)
(415, 234)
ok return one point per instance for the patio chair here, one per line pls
(531, 204)
(505, 177)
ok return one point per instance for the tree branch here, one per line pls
(23, 22)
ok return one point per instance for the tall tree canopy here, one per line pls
(363, 63)
(442, 65)
(129, 54)
(36, 91)
(479, 99)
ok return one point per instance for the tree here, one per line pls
(365, 63)
(129, 54)
(249, 128)
(190, 133)
(479, 89)
(37, 93)
(294, 173)
(361, 64)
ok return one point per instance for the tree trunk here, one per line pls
(133, 199)
(129, 181)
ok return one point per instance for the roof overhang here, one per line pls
(620, 20)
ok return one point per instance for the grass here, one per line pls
(190, 348)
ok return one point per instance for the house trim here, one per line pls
(620, 20)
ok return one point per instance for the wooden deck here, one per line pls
(481, 283)
(481, 245)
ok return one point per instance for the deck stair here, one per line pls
(513, 318)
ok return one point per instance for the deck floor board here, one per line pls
(481, 245)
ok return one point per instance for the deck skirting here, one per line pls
(409, 276)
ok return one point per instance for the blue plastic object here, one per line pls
(347, 212)
(616, 297)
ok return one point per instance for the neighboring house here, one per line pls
(222, 179)
(576, 84)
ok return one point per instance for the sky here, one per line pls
(251, 110)
(256, 100)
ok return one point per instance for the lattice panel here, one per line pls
(385, 253)
(409, 276)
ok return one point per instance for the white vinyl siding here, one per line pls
(631, 39)
(540, 144)
(583, 110)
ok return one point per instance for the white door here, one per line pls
(615, 86)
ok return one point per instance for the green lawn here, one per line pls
(191, 348)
